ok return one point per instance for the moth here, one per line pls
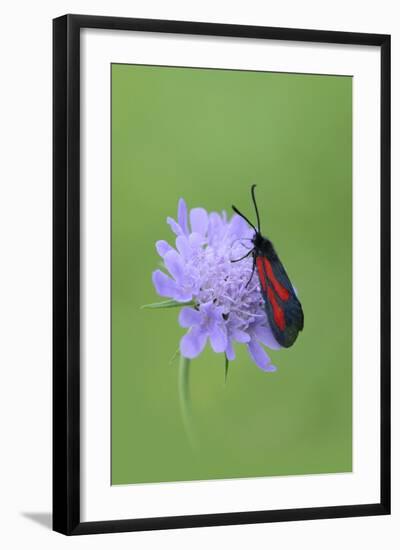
(282, 306)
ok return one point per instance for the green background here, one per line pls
(207, 135)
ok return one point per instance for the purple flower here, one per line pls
(200, 270)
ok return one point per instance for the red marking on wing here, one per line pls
(281, 291)
(264, 268)
(261, 273)
(279, 315)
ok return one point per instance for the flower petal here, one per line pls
(189, 317)
(162, 248)
(176, 228)
(270, 368)
(193, 342)
(196, 240)
(264, 334)
(240, 336)
(164, 285)
(212, 312)
(174, 263)
(230, 352)
(214, 225)
(239, 227)
(199, 221)
(182, 216)
(261, 359)
(183, 245)
(183, 294)
(218, 339)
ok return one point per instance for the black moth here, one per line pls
(283, 308)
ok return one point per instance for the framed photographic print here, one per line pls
(221, 274)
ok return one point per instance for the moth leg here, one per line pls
(243, 257)
(252, 271)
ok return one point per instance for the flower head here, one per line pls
(224, 308)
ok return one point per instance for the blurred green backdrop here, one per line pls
(207, 135)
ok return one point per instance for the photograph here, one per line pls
(231, 268)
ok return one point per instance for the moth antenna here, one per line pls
(243, 216)
(255, 206)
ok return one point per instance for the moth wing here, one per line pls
(283, 308)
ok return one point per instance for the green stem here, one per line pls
(184, 397)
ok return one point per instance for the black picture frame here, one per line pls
(66, 273)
